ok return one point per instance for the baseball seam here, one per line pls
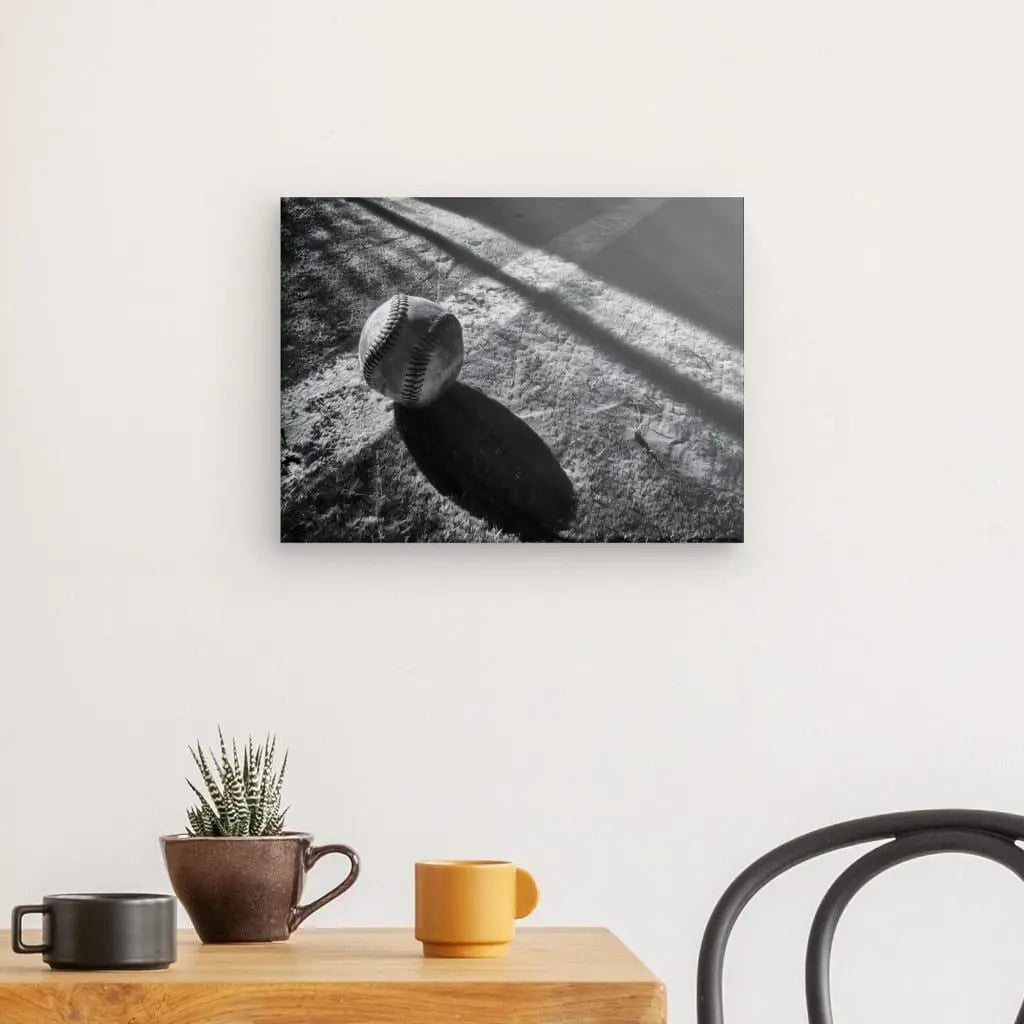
(419, 359)
(375, 353)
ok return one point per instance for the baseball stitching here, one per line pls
(387, 335)
(419, 359)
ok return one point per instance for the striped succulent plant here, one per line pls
(243, 795)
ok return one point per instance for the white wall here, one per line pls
(634, 725)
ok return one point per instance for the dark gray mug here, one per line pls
(102, 931)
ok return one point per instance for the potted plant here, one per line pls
(237, 872)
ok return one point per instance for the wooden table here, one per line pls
(349, 976)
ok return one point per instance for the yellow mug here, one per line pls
(468, 908)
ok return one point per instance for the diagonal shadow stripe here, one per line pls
(721, 412)
(688, 259)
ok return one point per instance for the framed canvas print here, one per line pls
(512, 369)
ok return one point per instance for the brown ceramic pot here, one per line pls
(247, 888)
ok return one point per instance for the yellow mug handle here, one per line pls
(527, 893)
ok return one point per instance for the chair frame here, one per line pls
(989, 834)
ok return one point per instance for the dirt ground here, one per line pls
(601, 397)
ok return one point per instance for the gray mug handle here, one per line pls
(17, 915)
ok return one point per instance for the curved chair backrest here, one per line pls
(988, 834)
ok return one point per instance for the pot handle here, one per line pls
(313, 854)
(17, 943)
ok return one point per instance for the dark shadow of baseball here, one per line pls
(487, 460)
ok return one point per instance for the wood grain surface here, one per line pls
(349, 976)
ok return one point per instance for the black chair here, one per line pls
(913, 834)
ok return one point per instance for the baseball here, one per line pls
(411, 350)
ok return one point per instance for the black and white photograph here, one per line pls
(512, 369)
